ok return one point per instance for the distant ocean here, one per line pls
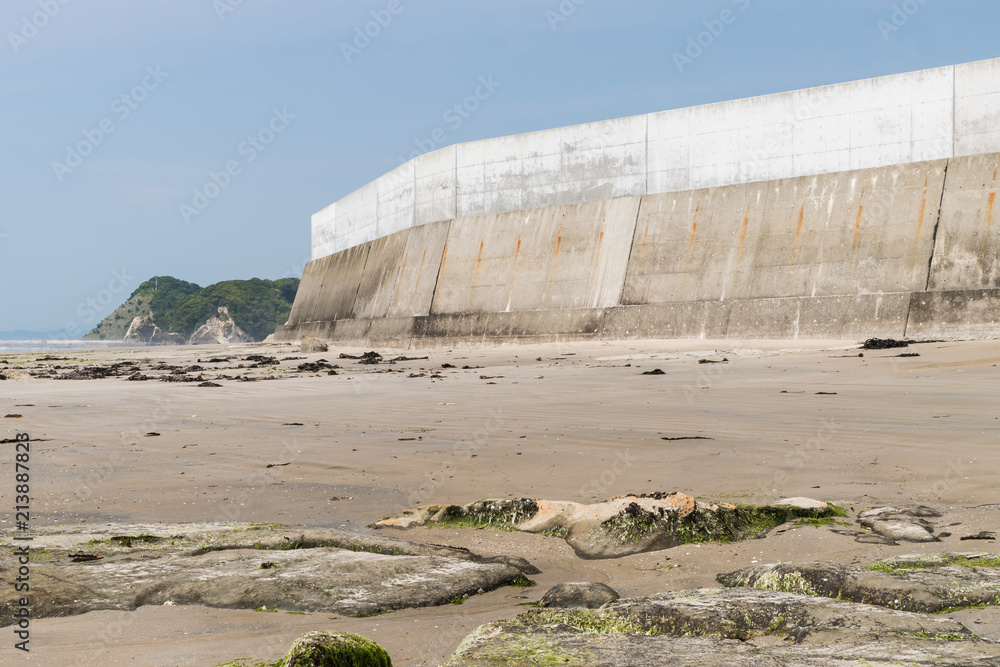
(49, 345)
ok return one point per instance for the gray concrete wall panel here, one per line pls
(914, 117)
(380, 278)
(967, 251)
(421, 262)
(955, 313)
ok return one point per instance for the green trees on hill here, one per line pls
(257, 306)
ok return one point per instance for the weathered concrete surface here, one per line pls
(856, 232)
(547, 259)
(843, 255)
(245, 567)
(377, 284)
(329, 287)
(972, 313)
(968, 239)
(913, 117)
(710, 627)
(414, 290)
(921, 583)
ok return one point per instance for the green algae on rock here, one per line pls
(240, 566)
(711, 627)
(919, 583)
(327, 649)
(623, 525)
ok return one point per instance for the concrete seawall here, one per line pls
(887, 251)
(917, 116)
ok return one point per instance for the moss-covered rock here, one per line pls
(921, 583)
(710, 627)
(623, 525)
(329, 649)
(243, 566)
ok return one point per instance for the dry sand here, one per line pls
(895, 430)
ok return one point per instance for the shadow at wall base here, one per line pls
(920, 315)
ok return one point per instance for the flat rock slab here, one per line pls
(621, 526)
(74, 571)
(587, 595)
(712, 627)
(920, 583)
(902, 524)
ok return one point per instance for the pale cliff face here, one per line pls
(144, 330)
(220, 330)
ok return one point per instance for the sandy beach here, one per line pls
(573, 421)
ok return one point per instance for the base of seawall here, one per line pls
(955, 314)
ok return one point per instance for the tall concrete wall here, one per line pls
(921, 116)
(888, 251)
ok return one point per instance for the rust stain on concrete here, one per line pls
(857, 223)
(991, 201)
(420, 270)
(920, 222)
(645, 234)
(694, 227)
(798, 230)
(694, 234)
(399, 281)
(743, 233)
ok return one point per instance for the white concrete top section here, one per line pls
(934, 114)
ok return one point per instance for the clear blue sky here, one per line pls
(161, 93)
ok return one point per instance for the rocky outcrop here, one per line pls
(246, 567)
(903, 524)
(144, 331)
(310, 344)
(220, 329)
(921, 583)
(330, 649)
(321, 648)
(710, 627)
(621, 526)
(584, 595)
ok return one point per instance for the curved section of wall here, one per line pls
(889, 251)
(930, 115)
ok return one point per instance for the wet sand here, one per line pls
(581, 424)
